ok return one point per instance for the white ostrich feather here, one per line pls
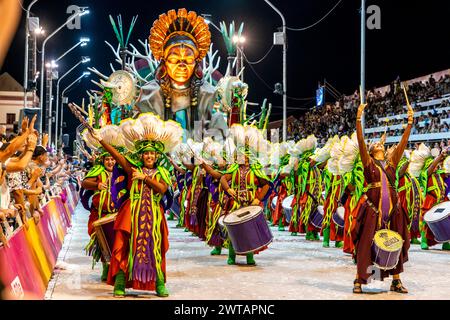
(350, 151)
(446, 165)
(90, 141)
(311, 143)
(131, 131)
(417, 160)
(170, 135)
(333, 166)
(112, 135)
(152, 126)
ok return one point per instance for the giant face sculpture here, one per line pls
(180, 63)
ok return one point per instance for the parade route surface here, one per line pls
(291, 269)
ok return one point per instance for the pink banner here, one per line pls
(27, 264)
(19, 269)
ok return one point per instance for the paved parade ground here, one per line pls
(292, 268)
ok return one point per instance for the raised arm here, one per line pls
(215, 174)
(177, 167)
(436, 161)
(115, 154)
(365, 157)
(17, 142)
(19, 164)
(398, 152)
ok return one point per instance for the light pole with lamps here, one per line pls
(239, 42)
(83, 42)
(81, 12)
(85, 74)
(284, 42)
(83, 60)
(27, 35)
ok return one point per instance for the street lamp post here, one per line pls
(49, 78)
(82, 42)
(80, 13)
(85, 74)
(27, 35)
(284, 68)
(83, 60)
(239, 42)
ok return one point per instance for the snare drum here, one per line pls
(338, 217)
(386, 248)
(104, 229)
(316, 218)
(438, 220)
(248, 229)
(274, 202)
(287, 208)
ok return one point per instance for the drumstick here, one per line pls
(78, 115)
(406, 95)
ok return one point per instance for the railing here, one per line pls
(399, 126)
(417, 113)
(27, 262)
(425, 137)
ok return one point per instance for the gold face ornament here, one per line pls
(180, 61)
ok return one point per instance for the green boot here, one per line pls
(446, 246)
(423, 241)
(415, 241)
(105, 269)
(326, 238)
(309, 236)
(186, 230)
(250, 259)
(119, 284)
(161, 290)
(216, 251)
(316, 236)
(231, 255)
(170, 218)
(294, 234)
(280, 225)
(339, 244)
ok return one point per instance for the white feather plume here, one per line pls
(350, 152)
(446, 165)
(417, 160)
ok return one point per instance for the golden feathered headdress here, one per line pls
(173, 28)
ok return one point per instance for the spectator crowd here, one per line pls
(30, 173)
(340, 118)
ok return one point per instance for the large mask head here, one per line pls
(180, 61)
(179, 39)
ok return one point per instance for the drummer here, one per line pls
(98, 179)
(433, 186)
(380, 209)
(247, 185)
(214, 166)
(410, 196)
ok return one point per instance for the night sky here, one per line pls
(412, 42)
